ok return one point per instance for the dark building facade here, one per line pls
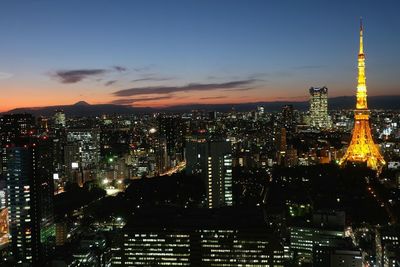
(212, 160)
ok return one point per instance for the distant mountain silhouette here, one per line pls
(82, 103)
(83, 108)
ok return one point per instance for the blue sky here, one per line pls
(278, 49)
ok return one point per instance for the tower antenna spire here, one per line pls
(361, 37)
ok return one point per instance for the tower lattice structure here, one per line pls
(362, 147)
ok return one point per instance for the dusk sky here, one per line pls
(162, 53)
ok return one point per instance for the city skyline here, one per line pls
(155, 54)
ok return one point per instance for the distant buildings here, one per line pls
(212, 160)
(319, 117)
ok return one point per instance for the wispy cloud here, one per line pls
(120, 68)
(110, 82)
(144, 68)
(152, 79)
(186, 88)
(213, 97)
(78, 75)
(130, 101)
(241, 89)
(74, 76)
(5, 75)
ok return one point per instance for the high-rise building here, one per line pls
(387, 240)
(212, 160)
(288, 121)
(13, 126)
(88, 141)
(362, 148)
(171, 129)
(319, 117)
(29, 178)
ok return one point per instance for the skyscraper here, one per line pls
(362, 147)
(288, 118)
(319, 117)
(29, 178)
(212, 160)
(171, 129)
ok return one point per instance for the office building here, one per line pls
(88, 141)
(13, 126)
(171, 131)
(288, 121)
(212, 160)
(319, 117)
(203, 237)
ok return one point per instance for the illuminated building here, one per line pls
(362, 148)
(288, 118)
(29, 180)
(59, 118)
(171, 129)
(3, 227)
(2, 198)
(319, 117)
(61, 233)
(88, 141)
(303, 240)
(13, 126)
(387, 241)
(72, 160)
(212, 160)
(197, 237)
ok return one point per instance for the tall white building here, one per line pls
(319, 117)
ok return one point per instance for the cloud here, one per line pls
(110, 82)
(186, 88)
(74, 76)
(152, 79)
(5, 75)
(241, 89)
(212, 97)
(130, 101)
(120, 68)
(144, 68)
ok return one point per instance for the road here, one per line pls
(176, 169)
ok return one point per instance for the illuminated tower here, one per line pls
(362, 147)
